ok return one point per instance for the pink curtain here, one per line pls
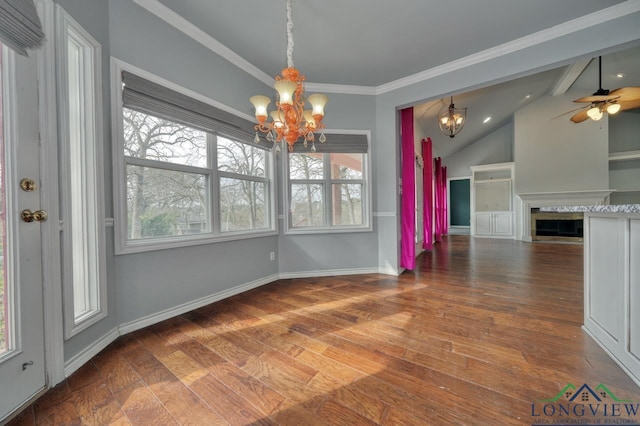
(427, 199)
(441, 199)
(408, 202)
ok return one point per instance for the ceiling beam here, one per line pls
(569, 77)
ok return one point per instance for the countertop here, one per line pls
(609, 208)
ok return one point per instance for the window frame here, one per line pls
(92, 171)
(327, 183)
(125, 245)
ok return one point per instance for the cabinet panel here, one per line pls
(605, 275)
(493, 196)
(483, 223)
(634, 288)
(502, 223)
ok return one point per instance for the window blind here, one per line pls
(20, 26)
(337, 143)
(151, 98)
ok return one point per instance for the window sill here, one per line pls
(331, 230)
(139, 246)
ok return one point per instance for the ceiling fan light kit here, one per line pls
(605, 101)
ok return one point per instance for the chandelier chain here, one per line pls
(289, 35)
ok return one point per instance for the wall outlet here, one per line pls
(272, 256)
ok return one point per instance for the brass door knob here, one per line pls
(28, 185)
(31, 216)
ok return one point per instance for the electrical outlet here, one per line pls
(272, 256)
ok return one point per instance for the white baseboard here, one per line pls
(190, 306)
(329, 273)
(89, 352)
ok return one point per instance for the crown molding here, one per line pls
(343, 89)
(578, 24)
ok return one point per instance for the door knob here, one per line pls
(31, 216)
(28, 185)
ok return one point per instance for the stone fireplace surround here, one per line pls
(553, 199)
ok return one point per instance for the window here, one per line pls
(191, 173)
(81, 176)
(328, 191)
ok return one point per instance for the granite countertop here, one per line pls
(609, 208)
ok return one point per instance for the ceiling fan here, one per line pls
(607, 101)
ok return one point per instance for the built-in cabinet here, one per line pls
(492, 194)
(624, 158)
(612, 285)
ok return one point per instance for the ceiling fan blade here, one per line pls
(580, 117)
(569, 112)
(624, 105)
(626, 93)
(592, 99)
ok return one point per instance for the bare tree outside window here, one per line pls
(160, 201)
(243, 186)
(310, 186)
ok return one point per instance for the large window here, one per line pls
(328, 191)
(189, 174)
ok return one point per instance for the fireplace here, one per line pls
(536, 200)
(555, 226)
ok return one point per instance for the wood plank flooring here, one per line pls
(480, 331)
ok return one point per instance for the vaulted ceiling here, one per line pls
(364, 46)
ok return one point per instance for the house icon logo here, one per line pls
(585, 394)
(588, 404)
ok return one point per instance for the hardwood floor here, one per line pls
(481, 331)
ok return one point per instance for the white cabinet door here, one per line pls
(502, 224)
(605, 281)
(483, 223)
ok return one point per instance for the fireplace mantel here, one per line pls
(562, 198)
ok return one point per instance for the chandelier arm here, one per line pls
(289, 35)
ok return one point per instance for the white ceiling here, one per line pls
(363, 45)
(372, 42)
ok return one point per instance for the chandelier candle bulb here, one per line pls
(261, 104)
(318, 101)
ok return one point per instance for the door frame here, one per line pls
(49, 198)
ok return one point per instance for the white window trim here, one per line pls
(124, 245)
(367, 225)
(66, 28)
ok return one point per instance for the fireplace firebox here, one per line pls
(556, 226)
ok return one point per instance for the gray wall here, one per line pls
(496, 147)
(318, 252)
(554, 154)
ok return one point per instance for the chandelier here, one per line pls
(452, 120)
(290, 121)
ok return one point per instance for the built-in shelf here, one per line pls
(624, 155)
(627, 190)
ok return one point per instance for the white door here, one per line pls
(22, 370)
